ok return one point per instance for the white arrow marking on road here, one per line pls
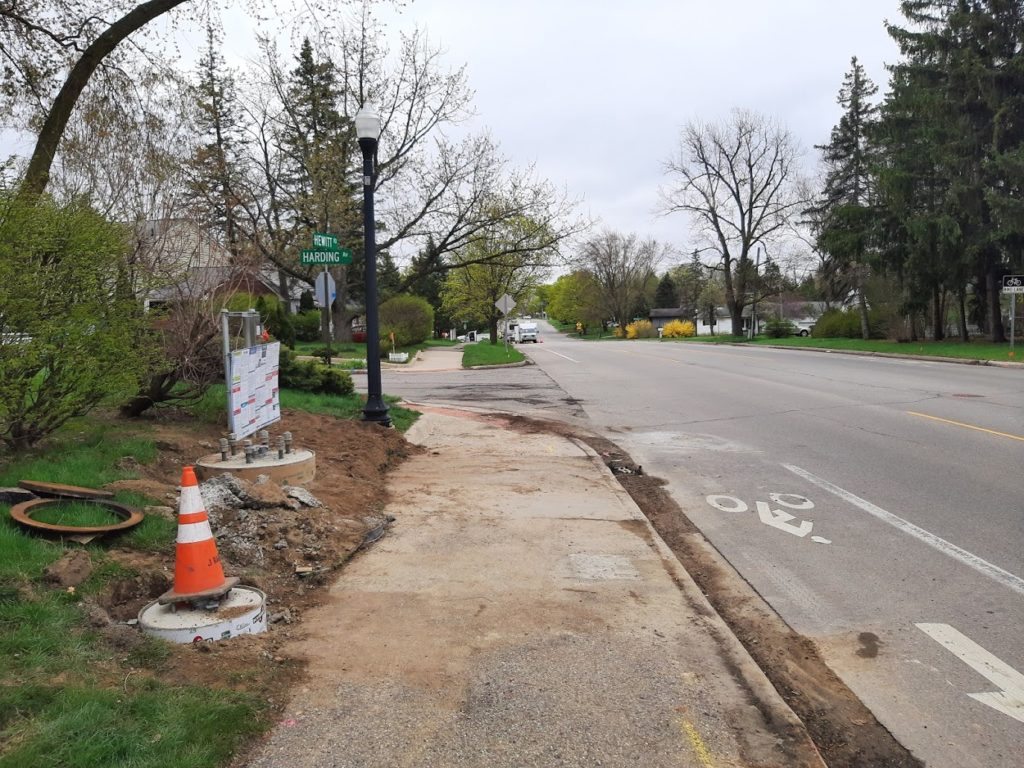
(994, 572)
(1009, 699)
(776, 518)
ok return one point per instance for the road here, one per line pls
(875, 504)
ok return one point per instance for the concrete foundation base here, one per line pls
(296, 468)
(243, 611)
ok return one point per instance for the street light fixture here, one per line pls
(367, 123)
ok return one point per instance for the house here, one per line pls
(176, 259)
(719, 323)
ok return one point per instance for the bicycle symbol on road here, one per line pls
(774, 518)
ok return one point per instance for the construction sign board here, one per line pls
(253, 398)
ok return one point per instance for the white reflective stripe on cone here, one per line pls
(191, 500)
(192, 533)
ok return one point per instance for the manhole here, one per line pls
(22, 513)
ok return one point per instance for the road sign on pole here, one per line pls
(321, 256)
(1013, 283)
(325, 289)
(325, 241)
(505, 304)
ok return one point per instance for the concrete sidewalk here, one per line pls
(522, 612)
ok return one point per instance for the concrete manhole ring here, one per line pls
(22, 513)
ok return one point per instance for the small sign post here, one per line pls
(1013, 284)
(505, 305)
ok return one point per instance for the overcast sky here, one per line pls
(594, 91)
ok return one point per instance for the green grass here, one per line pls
(975, 350)
(65, 700)
(78, 514)
(212, 407)
(485, 353)
(152, 725)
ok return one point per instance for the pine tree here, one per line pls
(214, 170)
(320, 148)
(844, 214)
(665, 295)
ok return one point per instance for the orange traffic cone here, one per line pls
(197, 570)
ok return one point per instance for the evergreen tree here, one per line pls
(957, 109)
(320, 150)
(215, 167)
(665, 295)
(844, 215)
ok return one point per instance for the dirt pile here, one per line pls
(289, 542)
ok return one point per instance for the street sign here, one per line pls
(325, 242)
(505, 304)
(321, 256)
(1013, 283)
(325, 287)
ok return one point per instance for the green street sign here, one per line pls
(320, 256)
(325, 242)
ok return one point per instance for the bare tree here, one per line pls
(621, 266)
(739, 183)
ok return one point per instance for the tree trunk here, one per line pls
(862, 303)
(938, 316)
(37, 176)
(285, 285)
(995, 314)
(342, 316)
(961, 296)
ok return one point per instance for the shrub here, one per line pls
(274, 319)
(845, 324)
(409, 318)
(641, 329)
(69, 322)
(779, 328)
(307, 325)
(679, 329)
(310, 376)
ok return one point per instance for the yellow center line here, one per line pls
(699, 747)
(967, 426)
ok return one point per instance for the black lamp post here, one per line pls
(368, 132)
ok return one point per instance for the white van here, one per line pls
(526, 332)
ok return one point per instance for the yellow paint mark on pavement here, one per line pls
(699, 747)
(967, 426)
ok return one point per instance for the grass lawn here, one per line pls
(67, 698)
(485, 353)
(975, 350)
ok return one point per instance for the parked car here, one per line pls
(804, 327)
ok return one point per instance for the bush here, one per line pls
(845, 324)
(69, 322)
(409, 318)
(274, 319)
(779, 328)
(310, 376)
(641, 329)
(307, 325)
(679, 329)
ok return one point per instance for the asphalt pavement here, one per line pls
(875, 504)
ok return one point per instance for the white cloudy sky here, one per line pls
(594, 91)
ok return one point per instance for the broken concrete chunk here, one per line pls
(302, 496)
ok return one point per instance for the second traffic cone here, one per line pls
(197, 570)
